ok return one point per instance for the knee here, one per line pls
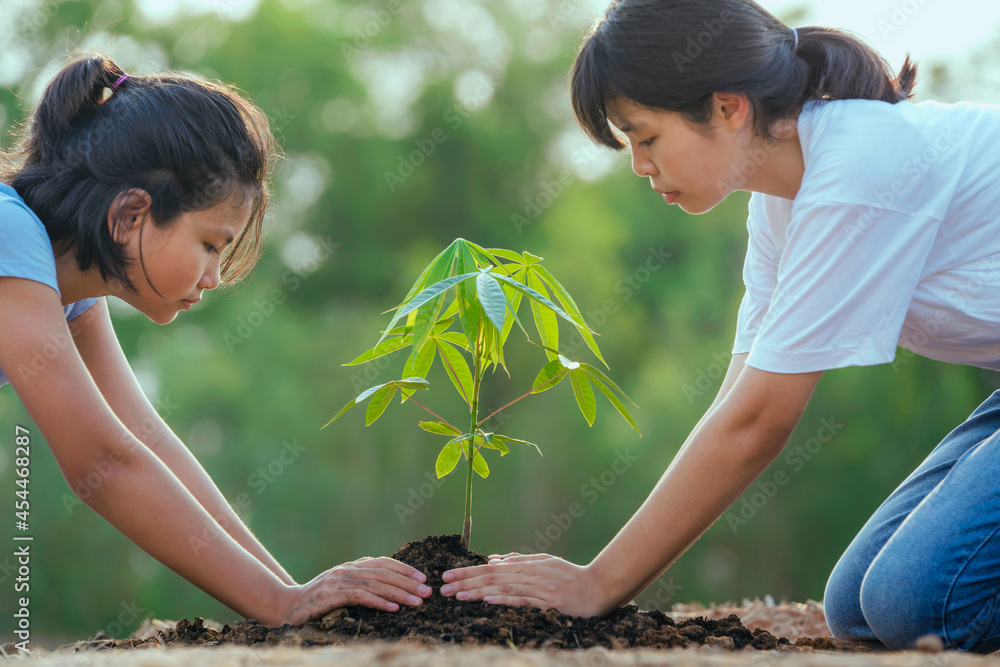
(840, 602)
(895, 610)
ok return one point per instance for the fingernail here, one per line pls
(489, 598)
(448, 576)
(393, 606)
(424, 590)
(415, 600)
(420, 576)
(446, 589)
(461, 595)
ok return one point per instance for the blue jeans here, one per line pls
(928, 560)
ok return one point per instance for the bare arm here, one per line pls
(140, 496)
(744, 430)
(98, 345)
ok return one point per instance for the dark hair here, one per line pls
(674, 54)
(189, 143)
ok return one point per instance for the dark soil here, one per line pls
(446, 620)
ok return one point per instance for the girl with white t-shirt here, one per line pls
(873, 223)
(152, 189)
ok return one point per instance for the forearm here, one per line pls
(718, 462)
(190, 472)
(143, 499)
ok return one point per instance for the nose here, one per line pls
(642, 165)
(212, 277)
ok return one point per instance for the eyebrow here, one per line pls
(224, 234)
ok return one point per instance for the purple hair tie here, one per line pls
(117, 83)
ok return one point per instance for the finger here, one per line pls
(490, 575)
(382, 575)
(370, 592)
(518, 558)
(508, 589)
(394, 565)
(460, 573)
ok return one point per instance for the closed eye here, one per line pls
(647, 142)
(211, 248)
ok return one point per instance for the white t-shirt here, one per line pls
(893, 239)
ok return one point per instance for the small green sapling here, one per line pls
(481, 290)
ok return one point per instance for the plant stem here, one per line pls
(409, 397)
(474, 413)
(554, 378)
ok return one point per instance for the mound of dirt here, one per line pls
(441, 620)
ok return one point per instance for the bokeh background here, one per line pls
(354, 90)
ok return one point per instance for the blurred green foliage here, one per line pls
(405, 125)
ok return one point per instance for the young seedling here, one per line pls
(486, 288)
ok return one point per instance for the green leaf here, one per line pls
(440, 428)
(468, 306)
(570, 305)
(492, 298)
(515, 441)
(434, 290)
(479, 465)
(487, 257)
(507, 254)
(457, 338)
(551, 374)
(422, 278)
(380, 401)
(596, 372)
(584, 395)
(622, 410)
(371, 390)
(412, 383)
(448, 458)
(419, 363)
(513, 303)
(487, 440)
(545, 320)
(534, 294)
(457, 368)
(342, 411)
(387, 346)
(530, 259)
(428, 313)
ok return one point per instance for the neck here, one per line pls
(75, 284)
(781, 173)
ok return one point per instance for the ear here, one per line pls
(732, 110)
(126, 213)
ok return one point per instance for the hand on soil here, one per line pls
(379, 583)
(536, 580)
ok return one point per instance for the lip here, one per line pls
(188, 303)
(670, 197)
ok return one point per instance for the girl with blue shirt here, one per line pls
(152, 189)
(872, 224)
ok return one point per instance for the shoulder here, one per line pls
(871, 153)
(25, 248)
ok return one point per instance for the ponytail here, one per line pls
(674, 54)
